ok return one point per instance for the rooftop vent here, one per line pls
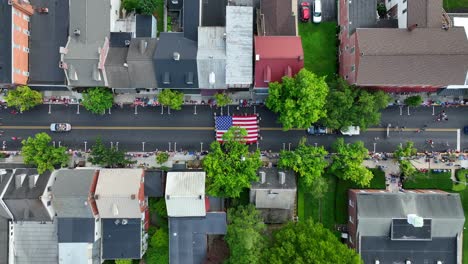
(115, 210)
(412, 27)
(117, 222)
(124, 221)
(407, 261)
(257, 57)
(132, 197)
(176, 56)
(127, 42)
(142, 46)
(377, 261)
(77, 32)
(33, 180)
(19, 179)
(168, 197)
(262, 175)
(415, 220)
(125, 65)
(281, 177)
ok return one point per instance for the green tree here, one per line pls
(108, 157)
(123, 261)
(131, 5)
(235, 133)
(172, 99)
(23, 98)
(245, 235)
(407, 169)
(230, 168)
(352, 106)
(309, 163)
(97, 100)
(300, 101)
(308, 242)
(222, 99)
(414, 101)
(158, 250)
(158, 206)
(145, 7)
(347, 162)
(406, 151)
(39, 152)
(162, 157)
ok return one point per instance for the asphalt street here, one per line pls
(187, 131)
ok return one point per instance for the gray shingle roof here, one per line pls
(121, 241)
(4, 238)
(23, 199)
(187, 236)
(140, 62)
(5, 42)
(48, 32)
(190, 22)
(91, 18)
(75, 230)
(272, 194)
(116, 72)
(376, 211)
(5, 176)
(239, 45)
(424, 56)
(145, 27)
(278, 18)
(211, 57)
(154, 186)
(71, 191)
(363, 14)
(36, 243)
(176, 71)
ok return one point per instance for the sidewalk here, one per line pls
(429, 99)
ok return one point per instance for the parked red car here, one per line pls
(305, 11)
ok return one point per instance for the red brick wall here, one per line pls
(406, 89)
(352, 226)
(92, 191)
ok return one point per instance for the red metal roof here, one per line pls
(275, 57)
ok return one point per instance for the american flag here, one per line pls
(223, 123)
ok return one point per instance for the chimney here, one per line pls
(19, 179)
(300, 58)
(132, 197)
(176, 56)
(257, 57)
(143, 44)
(410, 28)
(281, 177)
(33, 180)
(262, 175)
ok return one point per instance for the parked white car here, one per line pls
(317, 16)
(351, 131)
(60, 127)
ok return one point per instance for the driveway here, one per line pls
(328, 9)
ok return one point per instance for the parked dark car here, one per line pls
(305, 11)
(317, 130)
(465, 130)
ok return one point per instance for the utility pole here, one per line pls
(117, 146)
(50, 108)
(78, 109)
(136, 109)
(201, 146)
(175, 146)
(401, 110)
(289, 146)
(162, 110)
(169, 146)
(85, 143)
(143, 146)
(408, 111)
(195, 107)
(374, 146)
(433, 110)
(284, 146)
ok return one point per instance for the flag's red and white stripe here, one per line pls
(250, 123)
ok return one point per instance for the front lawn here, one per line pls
(456, 5)
(430, 180)
(319, 43)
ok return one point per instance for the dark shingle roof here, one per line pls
(116, 72)
(187, 236)
(362, 14)
(424, 56)
(48, 32)
(277, 18)
(176, 71)
(4, 237)
(5, 42)
(191, 19)
(75, 230)
(121, 241)
(119, 39)
(154, 183)
(213, 13)
(144, 26)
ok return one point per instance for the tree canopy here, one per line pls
(308, 242)
(23, 98)
(414, 101)
(300, 101)
(123, 261)
(158, 249)
(309, 163)
(38, 151)
(406, 151)
(172, 99)
(108, 157)
(352, 106)
(145, 7)
(230, 168)
(222, 99)
(347, 162)
(97, 100)
(162, 157)
(245, 235)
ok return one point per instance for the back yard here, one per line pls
(456, 6)
(319, 43)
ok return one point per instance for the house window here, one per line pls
(189, 78)
(25, 31)
(26, 17)
(353, 68)
(25, 73)
(351, 203)
(404, 11)
(166, 78)
(351, 219)
(351, 50)
(26, 49)
(18, 71)
(17, 28)
(49, 203)
(346, 77)
(346, 47)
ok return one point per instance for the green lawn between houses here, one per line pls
(319, 42)
(454, 5)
